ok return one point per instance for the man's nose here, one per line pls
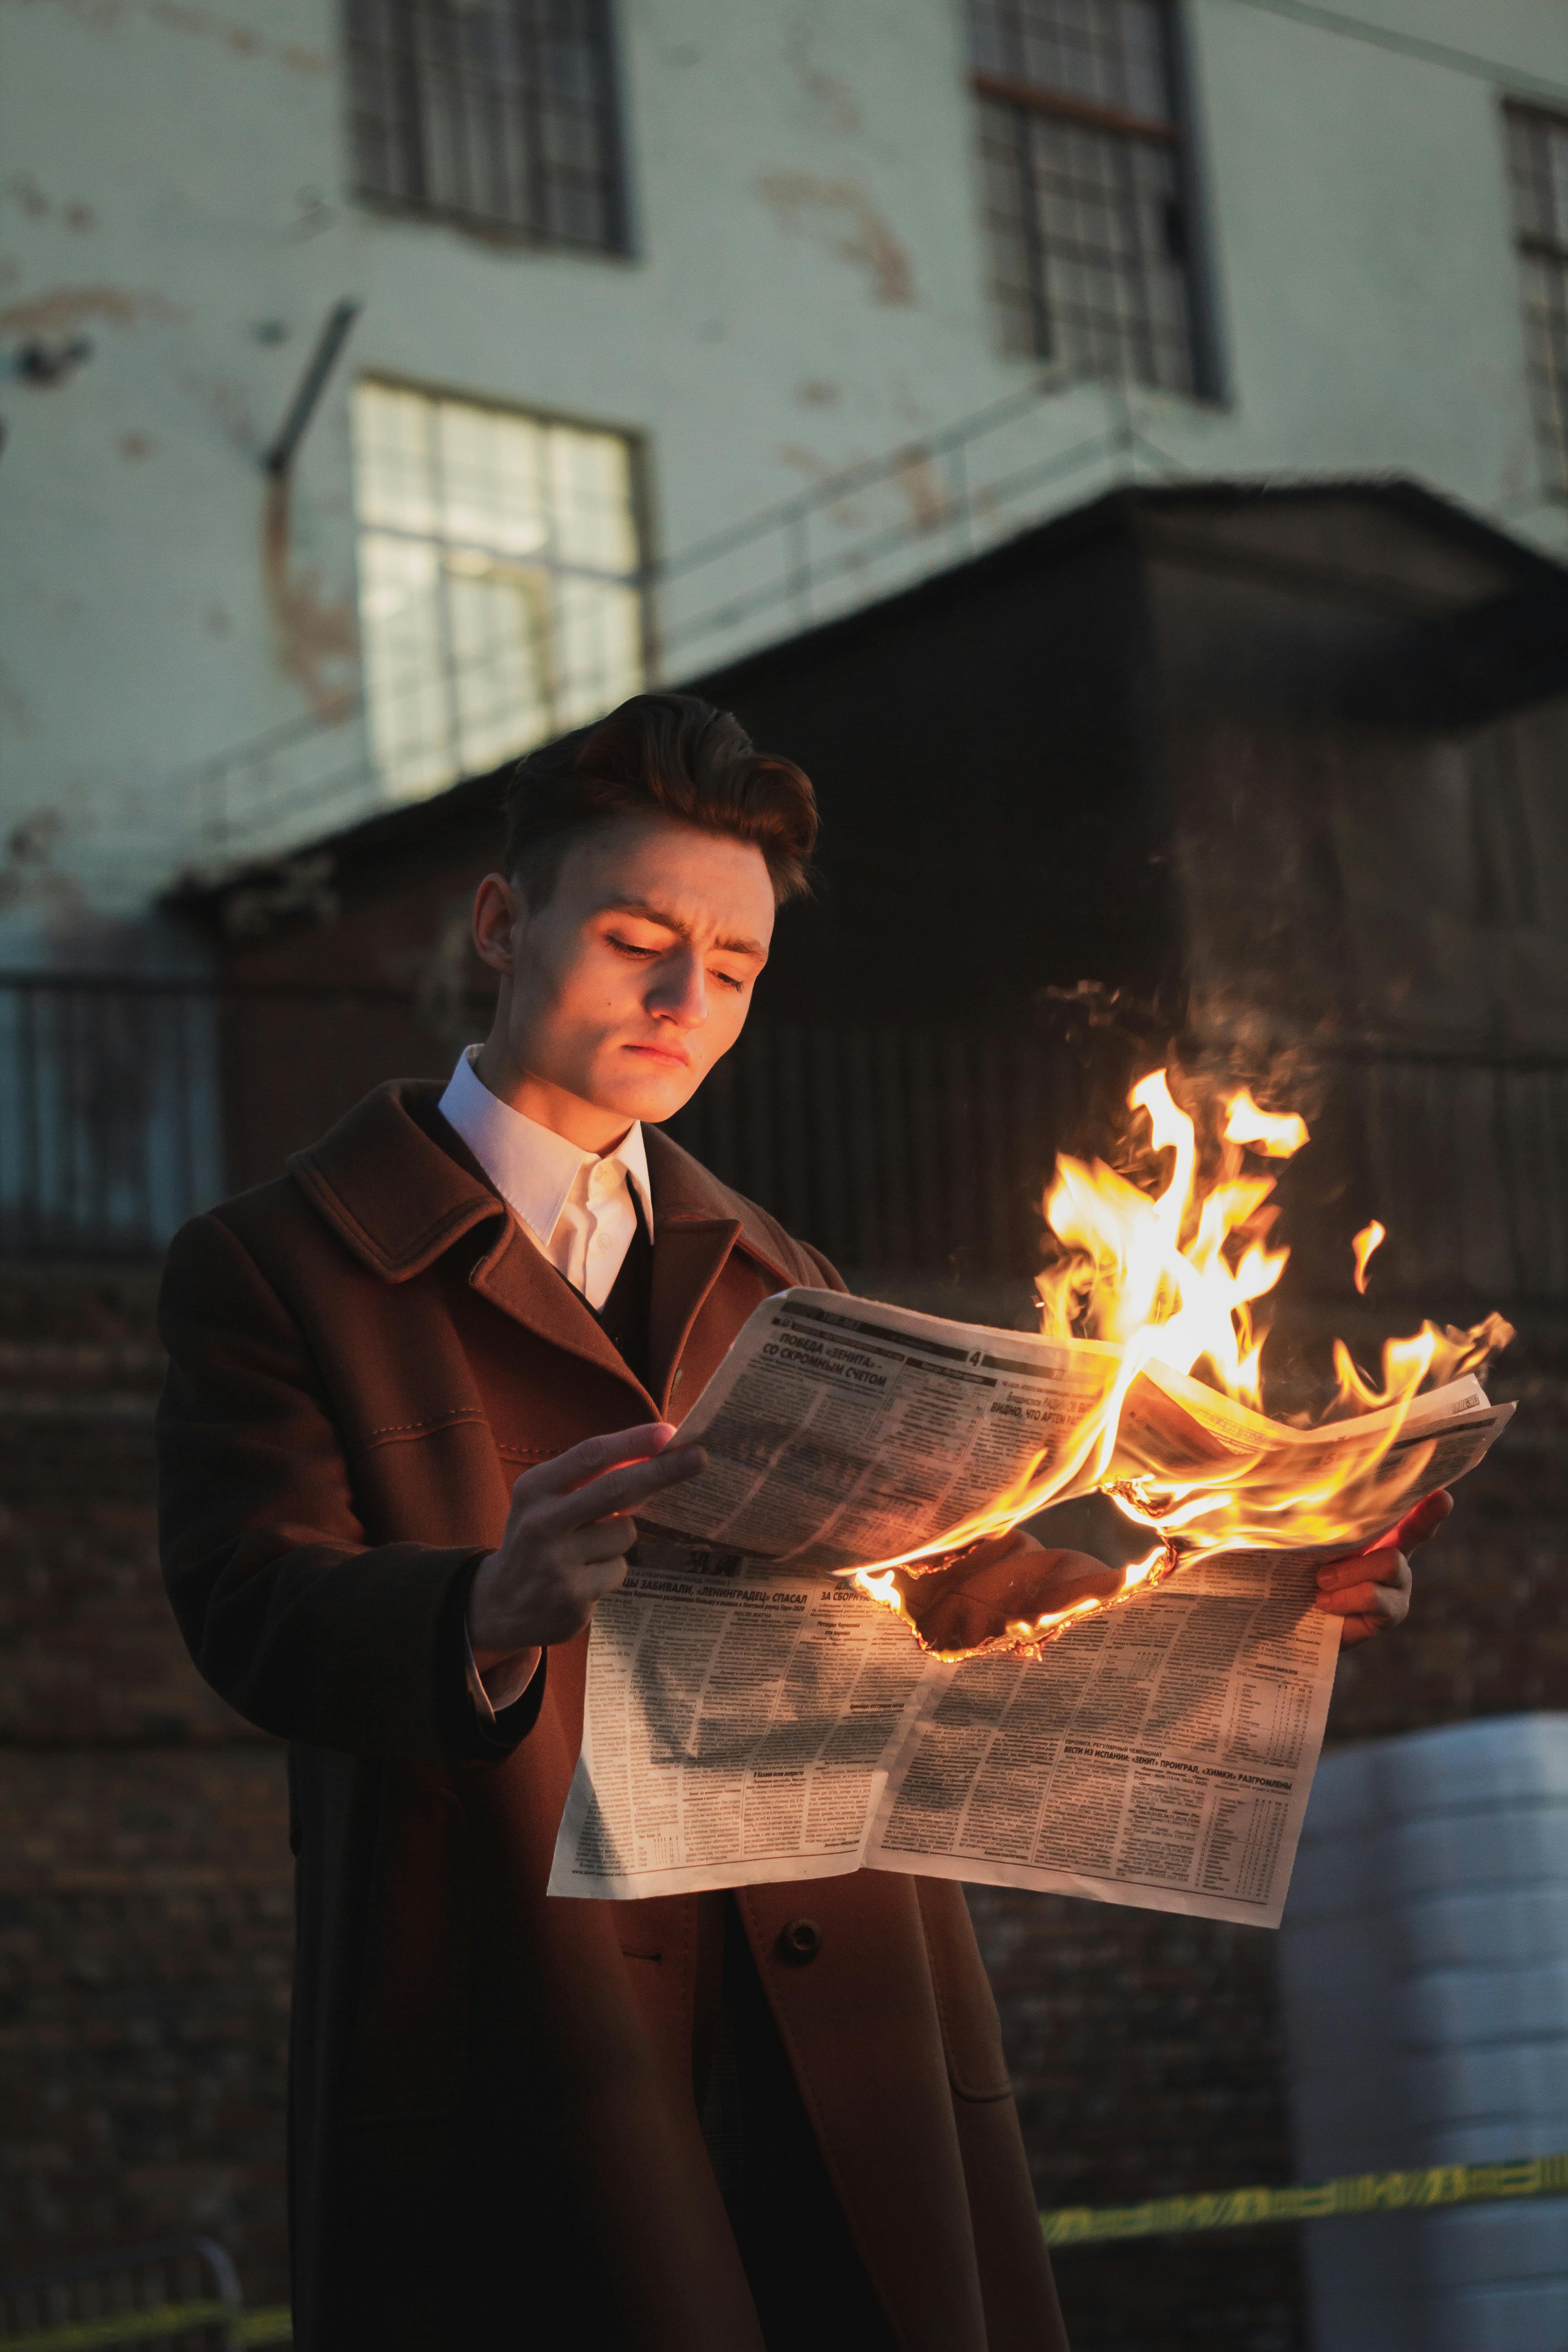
(681, 993)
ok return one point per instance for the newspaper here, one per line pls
(839, 1431)
(753, 1714)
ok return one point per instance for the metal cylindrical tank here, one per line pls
(1424, 1974)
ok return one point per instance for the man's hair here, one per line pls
(659, 754)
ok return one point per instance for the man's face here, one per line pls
(626, 986)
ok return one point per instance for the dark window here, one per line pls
(1084, 185)
(497, 112)
(1538, 160)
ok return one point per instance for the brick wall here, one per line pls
(146, 1897)
(144, 1887)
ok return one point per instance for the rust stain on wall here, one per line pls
(68, 306)
(911, 477)
(101, 15)
(244, 40)
(916, 480)
(296, 889)
(29, 876)
(23, 190)
(851, 509)
(838, 216)
(833, 98)
(316, 636)
(177, 17)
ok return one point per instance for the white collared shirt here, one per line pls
(577, 1205)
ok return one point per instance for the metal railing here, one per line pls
(180, 2294)
(1431, 2188)
(128, 1105)
(915, 1150)
(859, 533)
(940, 498)
(1471, 1152)
(111, 1113)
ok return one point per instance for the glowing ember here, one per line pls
(1172, 1278)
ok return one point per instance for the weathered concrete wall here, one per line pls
(808, 286)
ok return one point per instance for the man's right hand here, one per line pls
(567, 1535)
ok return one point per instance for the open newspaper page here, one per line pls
(740, 1724)
(1162, 1752)
(839, 1431)
(751, 1717)
(1368, 1469)
(1158, 1754)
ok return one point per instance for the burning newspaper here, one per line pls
(753, 1712)
(778, 1691)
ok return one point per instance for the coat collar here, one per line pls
(398, 1200)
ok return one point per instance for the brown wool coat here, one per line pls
(493, 2135)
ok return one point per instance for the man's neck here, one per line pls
(565, 1114)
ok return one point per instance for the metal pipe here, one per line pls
(279, 453)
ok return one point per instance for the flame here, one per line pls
(1174, 1276)
(1279, 1133)
(1366, 1242)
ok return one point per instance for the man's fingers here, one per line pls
(1384, 1600)
(602, 1539)
(1424, 1520)
(1380, 1567)
(622, 1489)
(1361, 1629)
(1372, 1602)
(565, 1472)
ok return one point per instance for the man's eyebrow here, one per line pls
(652, 914)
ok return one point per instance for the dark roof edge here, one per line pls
(474, 803)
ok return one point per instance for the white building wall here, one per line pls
(807, 289)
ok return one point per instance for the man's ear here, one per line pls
(496, 905)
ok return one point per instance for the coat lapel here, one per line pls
(398, 1200)
(514, 1277)
(698, 1221)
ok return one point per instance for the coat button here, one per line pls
(800, 1941)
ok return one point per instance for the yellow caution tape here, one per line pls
(1367, 2192)
(115, 2328)
(1071, 2225)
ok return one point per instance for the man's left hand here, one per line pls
(1372, 1592)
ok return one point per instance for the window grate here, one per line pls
(1082, 161)
(498, 569)
(1538, 170)
(500, 113)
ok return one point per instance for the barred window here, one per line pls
(1083, 165)
(1538, 160)
(501, 112)
(498, 579)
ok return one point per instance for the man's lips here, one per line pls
(675, 1056)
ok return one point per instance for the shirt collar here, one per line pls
(531, 1167)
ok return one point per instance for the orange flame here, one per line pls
(1279, 1133)
(1366, 1242)
(1172, 1278)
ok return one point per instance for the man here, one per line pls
(419, 1389)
